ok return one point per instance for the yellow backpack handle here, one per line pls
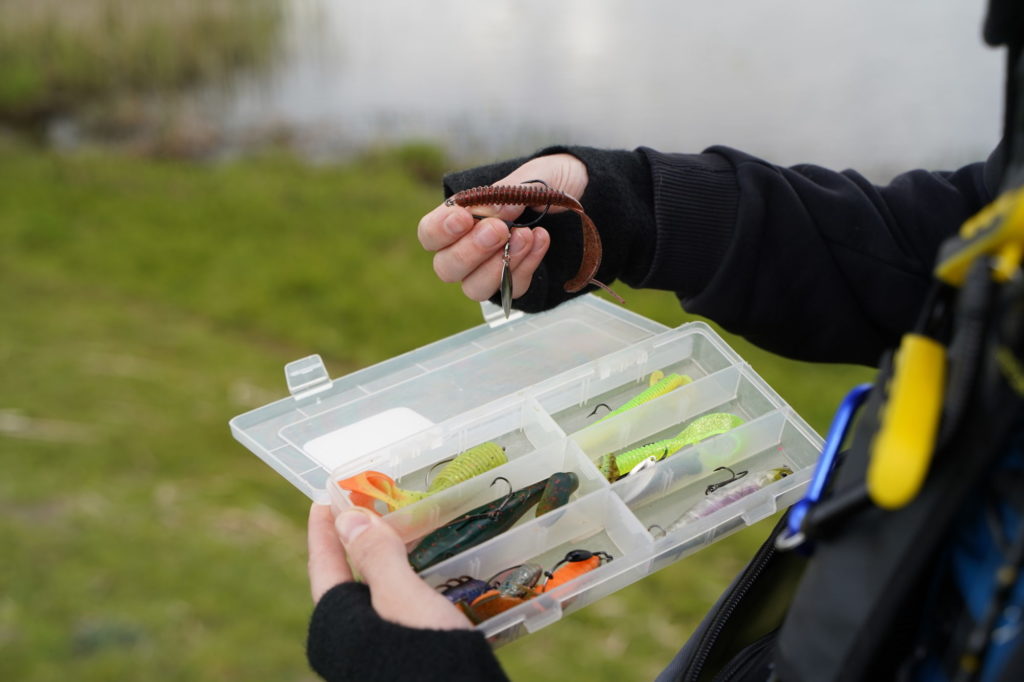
(901, 452)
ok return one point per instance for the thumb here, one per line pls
(399, 595)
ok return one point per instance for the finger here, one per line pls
(443, 226)
(398, 594)
(481, 284)
(523, 270)
(486, 239)
(327, 564)
(563, 172)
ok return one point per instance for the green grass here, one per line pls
(143, 305)
(56, 57)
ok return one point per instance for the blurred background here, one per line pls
(195, 192)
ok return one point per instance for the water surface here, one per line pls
(871, 84)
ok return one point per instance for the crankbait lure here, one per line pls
(736, 488)
(462, 589)
(475, 526)
(658, 385)
(576, 563)
(480, 600)
(614, 467)
(468, 464)
(508, 589)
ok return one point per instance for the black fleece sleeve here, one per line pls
(807, 262)
(819, 265)
(349, 641)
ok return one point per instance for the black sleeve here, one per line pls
(349, 641)
(807, 262)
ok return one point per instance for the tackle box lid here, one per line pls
(326, 423)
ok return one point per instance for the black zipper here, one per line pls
(721, 618)
(747, 659)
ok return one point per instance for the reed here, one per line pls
(56, 56)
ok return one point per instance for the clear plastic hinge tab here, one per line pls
(306, 377)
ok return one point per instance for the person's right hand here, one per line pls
(470, 251)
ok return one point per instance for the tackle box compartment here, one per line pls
(532, 384)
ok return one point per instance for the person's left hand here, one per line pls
(378, 555)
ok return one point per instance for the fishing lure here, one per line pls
(475, 526)
(560, 487)
(509, 588)
(462, 589)
(738, 487)
(576, 563)
(614, 467)
(658, 385)
(365, 488)
(466, 465)
(537, 193)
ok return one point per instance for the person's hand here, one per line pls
(472, 253)
(378, 554)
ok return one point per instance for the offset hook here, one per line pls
(504, 503)
(430, 471)
(594, 411)
(491, 514)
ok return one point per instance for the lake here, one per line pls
(870, 84)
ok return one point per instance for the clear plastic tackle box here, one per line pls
(530, 385)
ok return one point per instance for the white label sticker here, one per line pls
(372, 433)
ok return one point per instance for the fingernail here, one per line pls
(454, 226)
(518, 242)
(539, 241)
(351, 524)
(489, 236)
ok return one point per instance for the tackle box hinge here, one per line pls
(306, 377)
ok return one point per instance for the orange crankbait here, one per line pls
(515, 585)
(576, 563)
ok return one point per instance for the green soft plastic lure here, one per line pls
(658, 385)
(557, 492)
(468, 464)
(614, 467)
(365, 488)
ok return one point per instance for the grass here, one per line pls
(56, 57)
(143, 305)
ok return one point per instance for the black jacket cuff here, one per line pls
(349, 641)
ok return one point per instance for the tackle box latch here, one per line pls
(306, 377)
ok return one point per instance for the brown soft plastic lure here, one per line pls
(539, 194)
